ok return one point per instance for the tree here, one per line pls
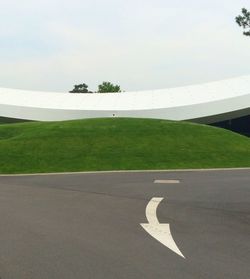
(80, 88)
(108, 87)
(243, 20)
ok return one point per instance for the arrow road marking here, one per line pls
(160, 232)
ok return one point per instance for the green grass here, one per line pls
(118, 144)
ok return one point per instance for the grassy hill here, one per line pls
(118, 144)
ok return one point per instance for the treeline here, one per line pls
(105, 87)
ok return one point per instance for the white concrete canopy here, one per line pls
(204, 103)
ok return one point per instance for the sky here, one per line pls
(50, 45)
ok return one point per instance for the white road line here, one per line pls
(123, 171)
(160, 232)
(168, 181)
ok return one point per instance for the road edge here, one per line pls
(126, 171)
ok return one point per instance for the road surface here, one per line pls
(89, 225)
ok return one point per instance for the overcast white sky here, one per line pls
(140, 44)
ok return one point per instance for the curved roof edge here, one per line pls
(220, 100)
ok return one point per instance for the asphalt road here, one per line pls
(88, 226)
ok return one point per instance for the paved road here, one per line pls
(88, 226)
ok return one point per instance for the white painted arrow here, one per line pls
(160, 232)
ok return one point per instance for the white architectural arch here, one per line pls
(203, 103)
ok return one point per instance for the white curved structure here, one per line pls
(205, 103)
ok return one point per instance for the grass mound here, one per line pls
(118, 144)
